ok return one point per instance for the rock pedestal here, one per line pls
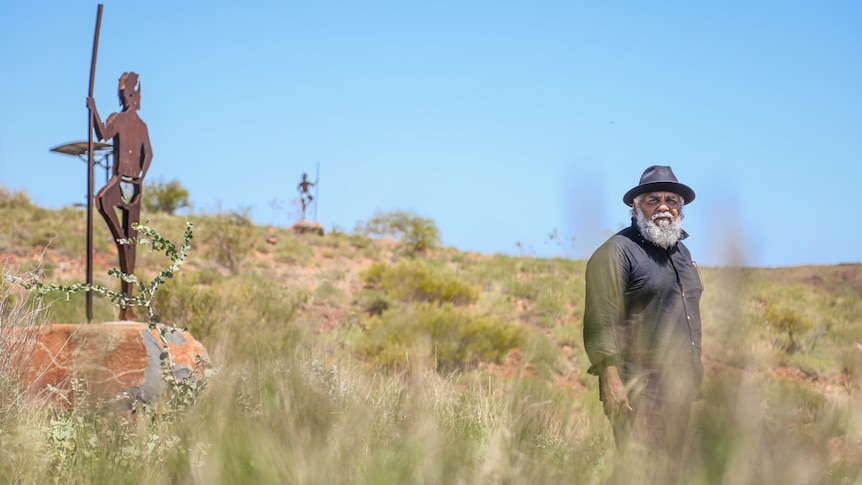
(115, 362)
(306, 227)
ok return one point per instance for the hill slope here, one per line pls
(791, 338)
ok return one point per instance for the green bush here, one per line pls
(416, 281)
(417, 233)
(373, 274)
(373, 302)
(167, 197)
(449, 338)
(191, 301)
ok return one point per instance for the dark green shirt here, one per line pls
(642, 309)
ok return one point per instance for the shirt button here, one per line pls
(688, 317)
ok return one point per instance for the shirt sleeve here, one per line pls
(604, 307)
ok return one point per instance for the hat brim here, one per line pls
(675, 187)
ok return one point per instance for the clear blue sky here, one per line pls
(501, 121)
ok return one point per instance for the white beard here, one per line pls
(663, 234)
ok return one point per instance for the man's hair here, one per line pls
(638, 199)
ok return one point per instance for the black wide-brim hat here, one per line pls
(659, 178)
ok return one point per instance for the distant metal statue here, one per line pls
(304, 194)
(119, 201)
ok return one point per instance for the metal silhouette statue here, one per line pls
(304, 195)
(119, 201)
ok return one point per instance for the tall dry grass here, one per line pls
(20, 319)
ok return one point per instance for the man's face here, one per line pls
(666, 205)
(659, 218)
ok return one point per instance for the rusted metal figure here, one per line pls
(119, 201)
(304, 195)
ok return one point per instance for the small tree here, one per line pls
(417, 233)
(168, 197)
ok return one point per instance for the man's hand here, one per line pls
(614, 397)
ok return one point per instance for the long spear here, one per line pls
(316, 189)
(89, 295)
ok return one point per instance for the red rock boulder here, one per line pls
(116, 362)
(306, 227)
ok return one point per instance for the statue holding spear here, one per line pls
(119, 201)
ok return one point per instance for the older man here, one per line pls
(642, 329)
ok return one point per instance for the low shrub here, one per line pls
(13, 198)
(241, 316)
(373, 274)
(417, 282)
(192, 300)
(446, 336)
(373, 302)
(788, 324)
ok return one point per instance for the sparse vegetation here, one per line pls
(786, 323)
(367, 365)
(231, 237)
(11, 199)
